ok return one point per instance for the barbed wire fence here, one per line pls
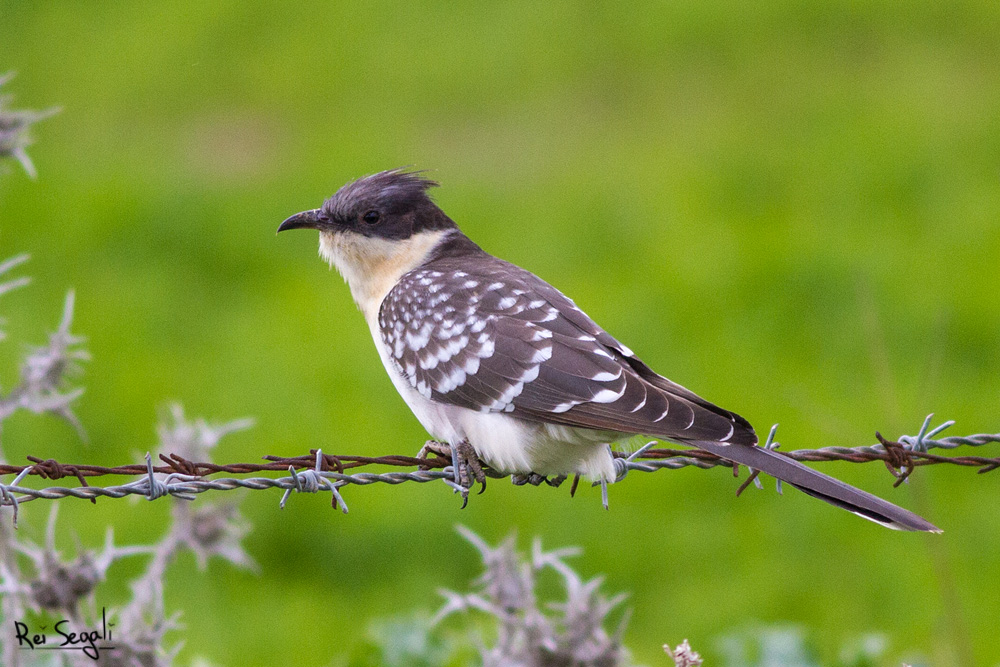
(180, 477)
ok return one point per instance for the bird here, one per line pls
(501, 367)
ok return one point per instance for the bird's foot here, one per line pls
(465, 462)
(533, 478)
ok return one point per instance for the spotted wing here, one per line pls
(492, 337)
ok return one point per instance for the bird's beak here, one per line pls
(313, 219)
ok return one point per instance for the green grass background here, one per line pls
(792, 208)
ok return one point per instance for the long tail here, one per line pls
(818, 485)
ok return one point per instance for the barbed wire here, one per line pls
(317, 471)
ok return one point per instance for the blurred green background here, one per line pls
(792, 208)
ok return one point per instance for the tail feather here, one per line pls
(818, 485)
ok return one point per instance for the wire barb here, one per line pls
(7, 496)
(154, 487)
(754, 477)
(310, 481)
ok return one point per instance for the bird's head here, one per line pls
(375, 229)
(391, 205)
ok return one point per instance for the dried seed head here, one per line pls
(683, 655)
(61, 586)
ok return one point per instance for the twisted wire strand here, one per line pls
(673, 459)
(311, 473)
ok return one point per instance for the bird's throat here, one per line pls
(372, 266)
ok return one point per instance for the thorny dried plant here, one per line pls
(683, 655)
(38, 581)
(39, 390)
(193, 440)
(15, 126)
(44, 371)
(568, 632)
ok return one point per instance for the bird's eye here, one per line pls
(371, 217)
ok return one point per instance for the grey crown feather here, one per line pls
(394, 188)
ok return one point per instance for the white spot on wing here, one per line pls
(541, 354)
(529, 375)
(472, 365)
(452, 348)
(540, 334)
(512, 392)
(454, 379)
(607, 396)
(419, 340)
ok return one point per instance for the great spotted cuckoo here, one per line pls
(500, 366)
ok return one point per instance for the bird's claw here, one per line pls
(465, 462)
(459, 489)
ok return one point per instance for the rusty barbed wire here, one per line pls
(184, 478)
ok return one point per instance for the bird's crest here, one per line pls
(391, 189)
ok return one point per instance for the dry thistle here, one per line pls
(683, 655)
(14, 129)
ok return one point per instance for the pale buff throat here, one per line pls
(372, 266)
